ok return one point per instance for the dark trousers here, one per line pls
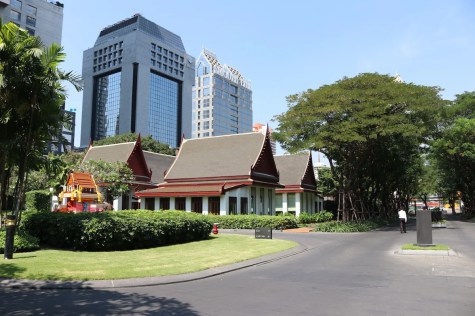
(402, 225)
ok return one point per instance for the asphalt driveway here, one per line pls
(331, 274)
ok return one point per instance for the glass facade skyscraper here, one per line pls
(138, 78)
(222, 99)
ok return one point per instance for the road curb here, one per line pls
(449, 252)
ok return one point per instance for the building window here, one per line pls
(197, 204)
(107, 105)
(150, 204)
(213, 205)
(253, 200)
(15, 3)
(291, 202)
(261, 200)
(206, 81)
(269, 200)
(31, 10)
(163, 109)
(15, 15)
(232, 205)
(30, 21)
(30, 31)
(164, 203)
(278, 203)
(244, 205)
(180, 203)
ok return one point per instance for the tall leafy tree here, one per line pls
(454, 153)
(148, 143)
(113, 177)
(31, 97)
(371, 128)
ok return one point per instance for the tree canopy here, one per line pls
(31, 100)
(372, 129)
(148, 143)
(454, 152)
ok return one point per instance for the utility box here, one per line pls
(424, 228)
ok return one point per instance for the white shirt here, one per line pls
(402, 214)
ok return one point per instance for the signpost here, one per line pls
(263, 233)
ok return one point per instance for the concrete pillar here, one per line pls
(205, 205)
(424, 228)
(284, 203)
(297, 204)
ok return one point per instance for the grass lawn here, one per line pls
(415, 247)
(218, 250)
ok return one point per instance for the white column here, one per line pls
(188, 204)
(297, 204)
(205, 205)
(172, 203)
(285, 208)
(157, 204)
(223, 204)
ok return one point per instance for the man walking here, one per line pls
(402, 220)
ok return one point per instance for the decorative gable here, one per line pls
(138, 164)
(308, 179)
(265, 166)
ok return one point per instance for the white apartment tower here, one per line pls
(222, 99)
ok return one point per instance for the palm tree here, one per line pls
(31, 98)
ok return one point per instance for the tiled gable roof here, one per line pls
(111, 153)
(220, 156)
(159, 164)
(296, 170)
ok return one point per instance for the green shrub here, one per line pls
(436, 215)
(22, 242)
(347, 227)
(324, 216)
(39, 200)
(252, 221)
(116, 230)
(305, 218)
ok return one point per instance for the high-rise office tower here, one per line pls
(137, 78)
(39, 17)
(222, 99)
(43, 19)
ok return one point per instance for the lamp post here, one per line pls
(10, 223)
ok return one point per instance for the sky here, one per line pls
(286, 47)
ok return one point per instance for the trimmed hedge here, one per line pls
(22, 242)
(39, 200)
(121, 230)
(306, 218)
(252, 221)
(347, 227)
